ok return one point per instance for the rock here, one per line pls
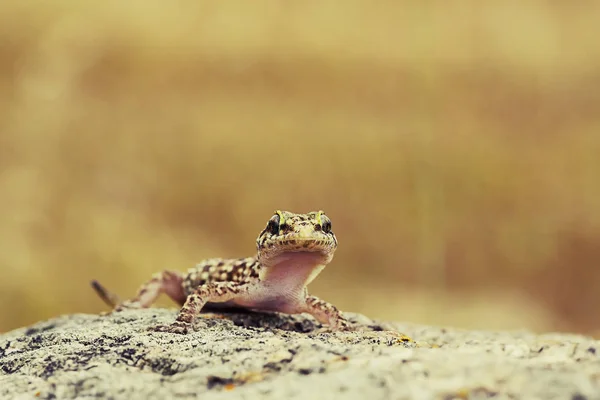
(273, 356)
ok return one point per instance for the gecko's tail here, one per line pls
(109, 298)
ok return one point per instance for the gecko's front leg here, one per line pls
(326, 313)
(213, 292)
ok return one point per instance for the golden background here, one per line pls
(455, 146)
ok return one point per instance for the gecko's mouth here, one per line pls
(295, 261)
(307, 244)
(319, 250)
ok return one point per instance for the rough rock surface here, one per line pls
(275, 356)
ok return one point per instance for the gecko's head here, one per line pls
(290, 234)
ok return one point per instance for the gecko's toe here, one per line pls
(336, 328)
(176, 327)
(127, 305)
(343, 326)
(348, 328)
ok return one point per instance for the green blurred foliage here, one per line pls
(455, 146)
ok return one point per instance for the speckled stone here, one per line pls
(272, 356)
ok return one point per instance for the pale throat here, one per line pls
(293, 270)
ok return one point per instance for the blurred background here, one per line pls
(455, 146)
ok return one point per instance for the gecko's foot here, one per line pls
(339, 326)
(329, 329)
(343, 325)
(180, 328)
(121, 307)
(346, 328)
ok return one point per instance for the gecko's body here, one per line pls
(291, 251)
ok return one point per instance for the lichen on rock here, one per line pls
(281, 356)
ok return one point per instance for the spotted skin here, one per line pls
(242, 270)
(291, 251)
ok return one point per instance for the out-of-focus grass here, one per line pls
(455, 146)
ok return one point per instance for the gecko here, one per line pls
(291, 251)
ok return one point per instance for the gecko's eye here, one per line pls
(273, 225)
(325, 224)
